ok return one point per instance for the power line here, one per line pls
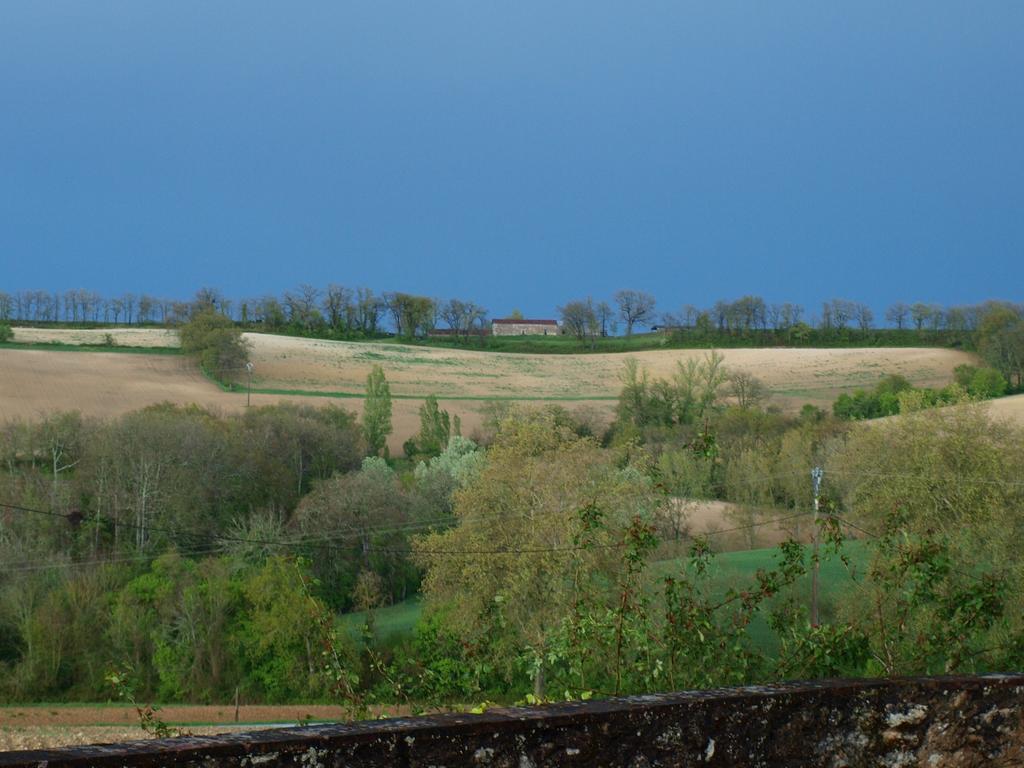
(325, 541)
(874, 535)
(117, 560)
(318, 541)
(348, 533)
(960, 478)
(383, 550)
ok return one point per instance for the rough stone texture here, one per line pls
(524, 328)
(951, 722)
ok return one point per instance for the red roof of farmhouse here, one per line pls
(513, 321)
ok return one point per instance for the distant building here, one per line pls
(439, 333)
(517, 327)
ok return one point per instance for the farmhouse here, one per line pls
(519, 327)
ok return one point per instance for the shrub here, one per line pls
(216, 342)
(964, 373)
(987, 382)
(6, 334)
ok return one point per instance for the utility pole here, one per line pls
(248, 391)
(816, 475)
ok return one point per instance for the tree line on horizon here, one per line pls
(362, 311)
(995, 329)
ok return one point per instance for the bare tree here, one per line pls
(129, 307)
(580, 319)
(146, 305)
(842, 312)
(748, 390)
(689, 315)
(670, 320)
(452, 312)
(117, 308)
(461, 316)
(864, 316)
(897, 314)
(336, 306)
(635, 308)
(368, 309)
(302, 306)
(919, 313)
(606, 318)
(211, 298)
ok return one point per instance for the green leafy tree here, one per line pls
(194, 654)
(368, 513)
(963, 374)
(460, 461)
(1001, 341)
(6, 334)
(215, 341)
(377, 412)
(921, 612)
(941, 489)
(435, 430)
(412, 315)
(280, 634)
(692, 392)
(986, 383)
(507, 576)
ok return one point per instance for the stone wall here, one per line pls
(936, 722)
(525, 328)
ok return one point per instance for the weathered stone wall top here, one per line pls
(936, 722)
(524, 328)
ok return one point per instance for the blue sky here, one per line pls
(519, 154)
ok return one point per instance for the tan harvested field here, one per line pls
(125, 337)
(1007, 409)
(794, 376)
(719, 520)
(41, 727)
(34, 382)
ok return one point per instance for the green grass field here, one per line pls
(544, 345)
(396, 396)
(56, 346)
(689, 339)
(736, 569)
(390, 624)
